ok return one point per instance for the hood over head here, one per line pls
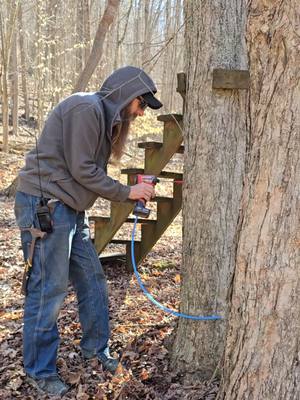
(120, 88)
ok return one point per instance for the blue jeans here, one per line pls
(65, 254)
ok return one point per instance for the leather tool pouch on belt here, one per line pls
(35, 234)
(43, 213)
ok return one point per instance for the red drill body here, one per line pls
(140, 210)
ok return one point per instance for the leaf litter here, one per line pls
(139, 331)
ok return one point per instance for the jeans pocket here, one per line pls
(23, 209)
(24, 216)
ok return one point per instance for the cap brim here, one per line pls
(152, 101)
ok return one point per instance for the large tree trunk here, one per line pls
(97, 49)
(263, 347)
(215, 144)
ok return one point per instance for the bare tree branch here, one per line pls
(97, 49)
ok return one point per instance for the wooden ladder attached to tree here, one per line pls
(157, 156)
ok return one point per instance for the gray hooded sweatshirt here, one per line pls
(75, 144)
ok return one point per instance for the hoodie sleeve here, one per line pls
(81, 135)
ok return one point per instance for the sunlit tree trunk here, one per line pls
(97, 49)
(79, 37)
(86, 29)
(23, 63)
(14, 84)
(7, 26)
(215, 135)
(51, 51)
(262, 359)
(40, 61)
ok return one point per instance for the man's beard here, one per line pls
(129, 117)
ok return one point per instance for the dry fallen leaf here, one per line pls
(135, 321)
(144, 375)
(15, 383)
(81, 395)
(120, 329)
(74, 377)
(132, 355)
(100, 394)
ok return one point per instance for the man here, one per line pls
(63, 177)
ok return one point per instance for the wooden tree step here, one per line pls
(170, 117)
(124, 241)
(107, 219)
(157, 145)
(162, 199)
(162, 174)
(112, 257)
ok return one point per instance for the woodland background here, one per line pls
(46, 44)
(44, 47)
(241, 192)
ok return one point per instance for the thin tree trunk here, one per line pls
(4, 89)
(23, 63)
(146, 27)
(263, 346)
(52, 47)
(166, 57)
(6, 34)
(5, 120)
(97, 49)
(14, 84)
(79, 38)
(117, 42)
(86, 29)
(121, 39)
(137, 33)
(215, 141)
(40, 63)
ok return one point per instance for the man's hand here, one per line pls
(141, 191)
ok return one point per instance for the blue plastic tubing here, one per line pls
(152, 299)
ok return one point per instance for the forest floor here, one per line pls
(141, 334)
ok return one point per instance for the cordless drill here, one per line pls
(139, 209)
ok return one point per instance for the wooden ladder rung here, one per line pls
(170, 117)
(163, 174)
(123, 241)
(131, 220)
(106, 258)
(157, 145)
(162, 199)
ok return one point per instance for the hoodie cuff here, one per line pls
(124, 192)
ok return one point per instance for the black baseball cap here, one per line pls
(152, 101)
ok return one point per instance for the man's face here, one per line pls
(136, 108)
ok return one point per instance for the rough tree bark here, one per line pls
(215, 141)
(262, 359)
(96, 53)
